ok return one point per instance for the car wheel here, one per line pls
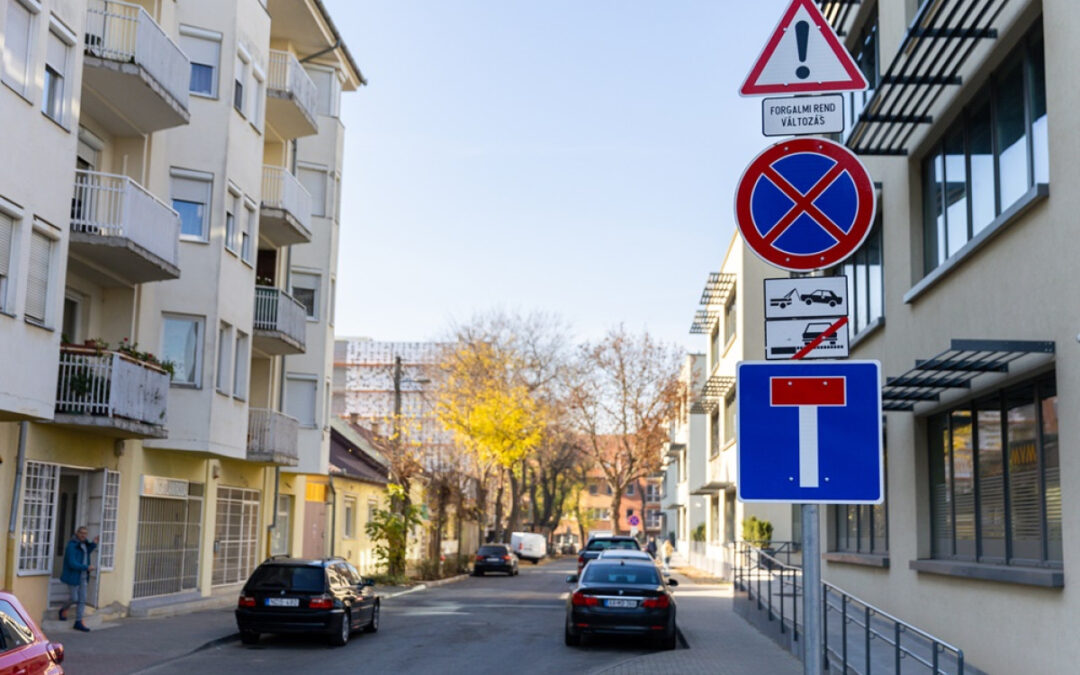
(809, 302)
(536, 561)
(832, 303)
(249, 637)
(340, 638)
(571, 639)
(477, 573)
(671, 638)
(373, 625)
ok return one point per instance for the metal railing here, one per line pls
(111, 384)
(276, 310)
(286, 75)
(879, 643)
(272, 437)
(110, 205)
(121, 31)
(282, 190)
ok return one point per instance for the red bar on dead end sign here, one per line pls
(797, 391)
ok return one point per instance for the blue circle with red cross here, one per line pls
(805, 204)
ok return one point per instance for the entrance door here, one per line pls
(70, 513)
(314, 529)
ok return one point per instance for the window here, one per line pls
(240, 369)
(730, 409)
(236, 535)
(191, 199)
(203, 48)
(239, 81)
(372, 510)
(282, 532)
(994, 478)
(300, 398)
(991, 156)
(714, 433)
(861, 528)
(865, 53)
(57, 64)
(167, 544)
(258, 105)
(182, 344)
(652, 518)
(7, 235)
(38, 277)
(247, 228)
(314, 181)
(14, 632)
(110, 506)
(629, 512)
(327, 88)
(350, 518)
(594, 489)
(730, 317)
(19, 43)
(865, 274)
(714, 346)
(631, 490)
(333, 299)
(305, 288)
(232, 210)
(652, 492)
(225, 349)
(38, 518)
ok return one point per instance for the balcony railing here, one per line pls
(287, 80)
(278, 312)
(283, 191)
(107, 384)
(109, 205)
(123, 32)
(272, 437)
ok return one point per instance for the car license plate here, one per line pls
(494, 559)
(282, 602)
(620, 603)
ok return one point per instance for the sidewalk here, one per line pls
(131, 645)
(720, 642)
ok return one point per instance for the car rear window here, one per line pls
(492, 550)
(289, 578)
(597, 573)
(13, 630)
(605, 544)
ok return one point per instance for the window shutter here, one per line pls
(7, 225)
(314, 181)
(17, 41)
(37, 278)
(199, 50)
(301, 400)
(56, 54)
(190, 190)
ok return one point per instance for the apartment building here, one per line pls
(153, 313)
(685, 454)
(964, 294)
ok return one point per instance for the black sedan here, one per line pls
(623, 597)
(291, 595)
(597, 544)
(495, 558)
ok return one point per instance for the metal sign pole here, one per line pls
(813, 659)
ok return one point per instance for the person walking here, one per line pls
(668, 551)
(650, 548)
(76, 572)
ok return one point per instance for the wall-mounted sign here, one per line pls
(156, 486)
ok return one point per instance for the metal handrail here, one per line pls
(756, 572)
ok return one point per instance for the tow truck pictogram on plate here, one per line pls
(821, 296)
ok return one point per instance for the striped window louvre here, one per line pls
(37, 277)
(38, 518)
(7, 228)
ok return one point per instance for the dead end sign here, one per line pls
(803, 56)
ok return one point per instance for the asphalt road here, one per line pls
(494, 624)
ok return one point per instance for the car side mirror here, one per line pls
(572, 579)
(672, 582)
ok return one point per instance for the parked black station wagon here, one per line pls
(294, 595)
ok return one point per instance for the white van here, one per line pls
(528, 546)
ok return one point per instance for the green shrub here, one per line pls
(699, 533)
(757, 532)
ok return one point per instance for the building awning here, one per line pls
(674, 449)
(957, 367)
(712, 488)
(840, 14)
(717, 289)
(703, 322)
(699, 408)
(937, 44)
(717, 387)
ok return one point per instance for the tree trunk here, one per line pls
(499, 529)
(616, 505)
(513, 521)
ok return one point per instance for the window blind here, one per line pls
(37, 278)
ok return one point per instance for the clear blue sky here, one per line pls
(574, 156)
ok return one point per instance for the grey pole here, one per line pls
(813, 659)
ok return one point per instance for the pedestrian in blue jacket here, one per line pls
(77, 569)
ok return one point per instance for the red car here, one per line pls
(24, 649)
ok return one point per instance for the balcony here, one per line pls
(121, 234)
(285, 216)
(280, 322)
(272, 437)
(290, 97)
(112, 393)
(137, 77)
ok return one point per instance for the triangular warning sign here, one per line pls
(803, 56)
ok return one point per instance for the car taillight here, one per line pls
(322, 602)
(579, 599)
(56, 652)
(580, 560)
(659, 602)
(479, 557)
(506, 557)
(245, 601)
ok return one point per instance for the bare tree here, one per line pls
(622, 391)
